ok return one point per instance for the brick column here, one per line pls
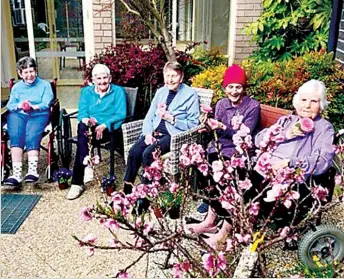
(248, 11)
(102, 24)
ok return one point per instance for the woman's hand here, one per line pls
(99, 131)
(168, 117)
(294, 132)
(149, 139)
(215, 124)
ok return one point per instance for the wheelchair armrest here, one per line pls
(131, 133)
(190, 136)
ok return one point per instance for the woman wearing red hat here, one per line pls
(236, 103)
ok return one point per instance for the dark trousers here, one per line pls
(141, 153)
(82, 151)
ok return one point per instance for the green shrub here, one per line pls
(275, 83)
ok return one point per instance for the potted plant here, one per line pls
(171, 202)
(63, 178)
(109, 184)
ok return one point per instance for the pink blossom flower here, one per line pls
(185, 149)
(90, 238)
(338, 179)
(184, 161)
(176, 271)
(319, 192)
(147, 227)
(217, 176)
(213, 124)
(221, 261)
(111, 224)
(185, 265)
(236, 121)
(123, 275)
(230, 245)
(206, 108)
(174, 187)
(254, 208)
(203, 168)
(214, 264)
(86, 214)
(217, 166)
(284, 232)
(276, 191)
(292, 237)
(26, 106)
(89, 251)
(306, 125)
(245, 184)
(114, 243)
(92, 122)
(242, 238)
(238, 162)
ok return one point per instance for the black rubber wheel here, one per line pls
(63, 138)
(327, 243)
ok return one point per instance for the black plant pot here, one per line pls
(174, 212)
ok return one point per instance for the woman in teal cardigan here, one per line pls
(174, 109)
(105, 104)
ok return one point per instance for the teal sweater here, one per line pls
(109, 110)
(38, 93)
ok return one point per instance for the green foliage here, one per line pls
(322, 270)
(209, 58)
(275, 83)
(288, 27)
(170, 200)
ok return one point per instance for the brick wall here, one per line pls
(340, 44)
(247, 11)
(102, 24)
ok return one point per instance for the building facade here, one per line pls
(62, 35)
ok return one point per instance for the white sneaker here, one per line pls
(75, 191)
(88, 176)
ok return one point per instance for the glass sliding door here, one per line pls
(58, 37)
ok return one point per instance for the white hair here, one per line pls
(314, 86)
(100, 69)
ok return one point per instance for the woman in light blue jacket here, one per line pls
(174, 109)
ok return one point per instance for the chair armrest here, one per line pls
(131, 133)
(177, 141)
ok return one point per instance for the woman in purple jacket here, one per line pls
(311, 151)
(236, 103)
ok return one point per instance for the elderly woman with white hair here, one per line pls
(105, 104)
(311, 150)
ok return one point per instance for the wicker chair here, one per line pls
(133, 130)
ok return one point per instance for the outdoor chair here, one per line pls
(132, 132)
(115, 135)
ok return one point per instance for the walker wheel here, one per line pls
(326, 243)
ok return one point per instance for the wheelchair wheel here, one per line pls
(326, 243)
(64, 144)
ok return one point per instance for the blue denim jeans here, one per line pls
(27, 129)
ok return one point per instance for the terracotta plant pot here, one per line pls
(157, 212)
(63, 186)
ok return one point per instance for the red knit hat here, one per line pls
(234, 74)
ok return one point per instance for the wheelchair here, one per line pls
(52, 133)
(66, 138)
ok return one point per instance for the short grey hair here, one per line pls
(100, 69)
(26, 62)
(314, 86)
(174, 66)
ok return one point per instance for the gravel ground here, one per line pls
(278, 261)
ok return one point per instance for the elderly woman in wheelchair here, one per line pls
(28, 116)
(106, 104)
(174, 109)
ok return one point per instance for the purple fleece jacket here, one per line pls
(313, 152)
(224, 111)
